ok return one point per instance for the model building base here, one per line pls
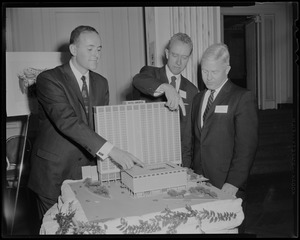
(123, 214)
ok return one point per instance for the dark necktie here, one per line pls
(85, 94)
(173, 81)
(209, 102)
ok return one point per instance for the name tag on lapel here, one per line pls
(221, 109)
(182, 94)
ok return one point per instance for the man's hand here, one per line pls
(123, 158)
(174, 101)
(229, 189)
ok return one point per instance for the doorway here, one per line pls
(240, 35)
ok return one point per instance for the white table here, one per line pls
(210, 224)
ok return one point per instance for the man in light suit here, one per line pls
(154, 84)
(66, 140)
(222, 147)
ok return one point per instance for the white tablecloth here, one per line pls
(227, 216)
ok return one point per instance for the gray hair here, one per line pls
(216, 52)
(181, 37)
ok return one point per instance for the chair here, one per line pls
(18, 149)
(17, 172)
(14, 151)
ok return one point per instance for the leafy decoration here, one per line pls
(64, 220)
(208, 184)
(192, 175)
(199, 190)
(168, 218)
(96, 187)
(89, 228)
(173, 219)
(68, 224)
(203, 190)
(174, 193)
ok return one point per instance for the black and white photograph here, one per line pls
(150, 119)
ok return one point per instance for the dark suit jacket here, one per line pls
(66, 140)
(223, 150)
(150, 78)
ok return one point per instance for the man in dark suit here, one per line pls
(66, 140)
(154, 84)
(221, 143)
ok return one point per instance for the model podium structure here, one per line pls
(154, 179)
(149, 131)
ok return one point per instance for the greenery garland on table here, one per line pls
(68, 224)
(173, 219)
(169, 218)
(64, 220)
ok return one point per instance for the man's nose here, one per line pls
(209, 75)
(96, 54)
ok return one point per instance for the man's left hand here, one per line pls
(229, 189)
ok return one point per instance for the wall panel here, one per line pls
(269, 51)
(202, 24)
(48, 30)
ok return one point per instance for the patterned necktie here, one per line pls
(85, 94)
(209, 102)
(173, 83)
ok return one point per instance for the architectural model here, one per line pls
(154, 179)
(150, 131)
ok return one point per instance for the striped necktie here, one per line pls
(209, 102)
(173, 81)
(85, 94)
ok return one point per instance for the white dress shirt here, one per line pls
(205, 100)
(106, 148)
(159, 91)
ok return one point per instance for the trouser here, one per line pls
(242, 195)
(43, 205)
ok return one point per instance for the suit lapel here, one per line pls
(212, 108)
(223, 93)
(198, 118)
(182, 83)
(92, 98)
(218, 101)
(163, 75)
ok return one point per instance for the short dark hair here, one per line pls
(78, 30)
(181, 37)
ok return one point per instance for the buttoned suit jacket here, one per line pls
(66, 140)
(150, 78)
(224, 149)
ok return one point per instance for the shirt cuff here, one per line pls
(158, 92)
(105, 150)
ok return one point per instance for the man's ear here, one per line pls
(73, 49)
(228, 69)
(167, 53)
